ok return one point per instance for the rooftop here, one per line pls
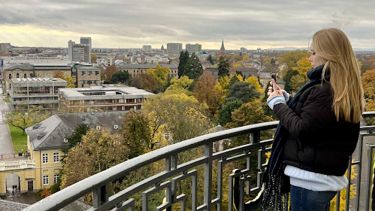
(36, 80)
(52, 133)
(102, 92)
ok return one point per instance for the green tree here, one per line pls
(249, 113)
(242, 91)
(183, 60)
(210, 59)
(76, 136)
(25, 119)
(120, 77)
(225, 113)
(223, 67)
(193, 68)
(287, 79)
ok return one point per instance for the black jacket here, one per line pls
(316, 141)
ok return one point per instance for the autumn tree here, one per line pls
(93, 58)
(99, 150)
(109, 71)
(25, 119)
(137, 134)
(368, 81)
(291, 58)
(180, 85)
(205, 92)
(145, 81)
(161, 75)
(176, 114)
(69, 79)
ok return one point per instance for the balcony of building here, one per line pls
(215, 171)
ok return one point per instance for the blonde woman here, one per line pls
(318, 130)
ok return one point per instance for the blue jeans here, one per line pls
(308, 200)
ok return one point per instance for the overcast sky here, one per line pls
(132, 23)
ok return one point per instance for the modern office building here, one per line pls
(146, 48)
(78, 52)
(28, 92)
(101, 98)
(174, 49)
(193, 48)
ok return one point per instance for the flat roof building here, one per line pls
(27, 92)
(101, 98)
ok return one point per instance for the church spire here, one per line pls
(222, 49)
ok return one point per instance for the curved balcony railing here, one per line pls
(206, 167)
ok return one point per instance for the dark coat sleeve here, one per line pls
(315, 113)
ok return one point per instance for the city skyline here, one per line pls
(132, 24)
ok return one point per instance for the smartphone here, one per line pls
(273, 76)
(273, 82)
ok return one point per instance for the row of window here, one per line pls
(89, 72)
(56, 157)
(46, 180)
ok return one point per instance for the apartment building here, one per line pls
(27, 92)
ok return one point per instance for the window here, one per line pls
(45, 179)
(55, 178)
(56, 157)
(45, 158)
(18, 75)
(10, 76)
(24, 75)
(83, 73)
(96, 72)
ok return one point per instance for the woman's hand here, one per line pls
(275, 95)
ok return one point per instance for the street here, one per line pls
(6, 146)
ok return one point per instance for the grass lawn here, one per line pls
(19, 139)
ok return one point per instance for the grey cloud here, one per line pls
(204, 20)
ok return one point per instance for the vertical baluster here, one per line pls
(100, 196)
(219, 185)
(171, 164)
(369, 167)
(208, 175)
(358, 195)
(347, 197)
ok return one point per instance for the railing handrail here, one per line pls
(71, 193)
(75, 191)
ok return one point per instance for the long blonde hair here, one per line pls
(335, 49)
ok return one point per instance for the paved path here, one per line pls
(6, 146)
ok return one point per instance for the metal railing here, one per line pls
(208, 175)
